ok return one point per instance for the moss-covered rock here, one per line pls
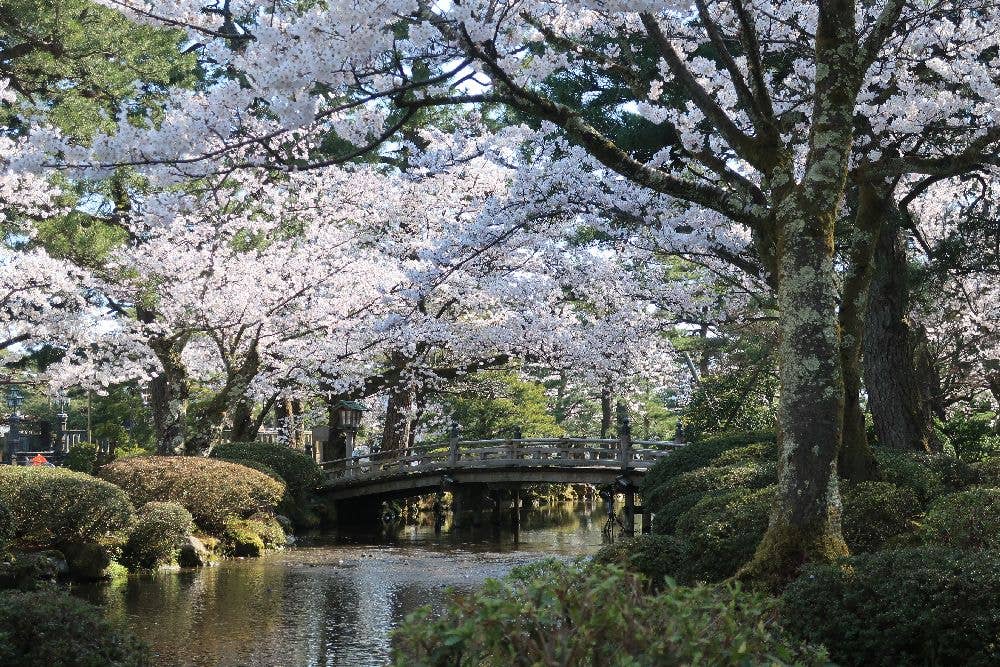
(878, 514)
(251, 537)
(193, 553)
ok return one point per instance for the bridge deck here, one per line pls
(500, 461)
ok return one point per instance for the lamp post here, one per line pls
(348, 422)
(15, 397)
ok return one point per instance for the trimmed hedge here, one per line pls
(723, 531)
(656, 557)
(553, 613)
(157, 535)
(300, 473)
(965, 520)
(758, 452)
(923, 606)
(82, 457)
(212, 491)
(708, 479)
(876, 514)
(698, 455)
(667, 514)
(6, 526)
(54, 507)
(988, 471)
(52, 628)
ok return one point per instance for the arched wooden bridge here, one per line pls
(500, 462)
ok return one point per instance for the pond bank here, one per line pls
(333, 600)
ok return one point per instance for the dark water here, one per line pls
(334, 599)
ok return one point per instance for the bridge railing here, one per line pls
(500, 452)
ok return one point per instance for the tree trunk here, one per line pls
(898, 370)
(396, 432)
(856, 461)
(607, 412)
(169, 394)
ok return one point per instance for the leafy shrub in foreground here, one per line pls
(723, 531)
(965, 520)
(558, 614)
(156, 535)
(212, 491)
(52, 628)
(656, 557)
(53, 507)
(924, 606)
(876, 513)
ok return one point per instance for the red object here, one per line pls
(39, 460)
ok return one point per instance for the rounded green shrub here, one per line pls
(82, 457)
(571, 614)
(988, 471)
(656, 557)
(757, 452)
(259, 467)
(922, 606)
(928, 475)
(156, 535)
(723, 531)
(240, 538)
(704, 480)
(212, 491)
(698, 455)
(54, 507)
(877, 514)
(965, 520)
(6, 526)
(299, 471)
(666, 515)
(52, 628)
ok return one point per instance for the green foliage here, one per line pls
(667, 514)
(82, 457)
(757, 452)
(6, 526)
(877, 514)
(697, 455)
(495, 403)
(708, 479)
(928, 475)
(299, 472)
(924, 606)
(212, 491)
(558, 614)
(974, 436)
(656, 557)
(988, 471)
(723, 531)
(156, 534)
(53, 628)
(965, 520)
(741, 399)
(52, 507)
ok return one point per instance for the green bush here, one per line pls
(299, 471)
(156, 535)
(6, 526)
(877, 514)
(52, 628)
(259, 467)
(251, 537)
(667, 514)
(988, 471)
(82, 457)
(656, 557)
(973, 436)
(757, 452)
(53, 507)
(212, 491)
(929, 475)
(723, 531)
(924, 606)
(698, 455)
(965, 520)
(703, 480)
(558, 614)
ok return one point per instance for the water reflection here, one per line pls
(335, 599)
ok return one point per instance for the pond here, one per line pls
(335, 598)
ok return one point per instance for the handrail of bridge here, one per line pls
(499, 452)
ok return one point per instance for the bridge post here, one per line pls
(453, 432)
(625, 446)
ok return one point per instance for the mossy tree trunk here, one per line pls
(169, 396)
(899, 373)
(805, 524)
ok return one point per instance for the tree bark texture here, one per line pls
(169, 395)
(899, 372)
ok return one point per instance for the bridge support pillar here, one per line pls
(630, 512)
(515, 514)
